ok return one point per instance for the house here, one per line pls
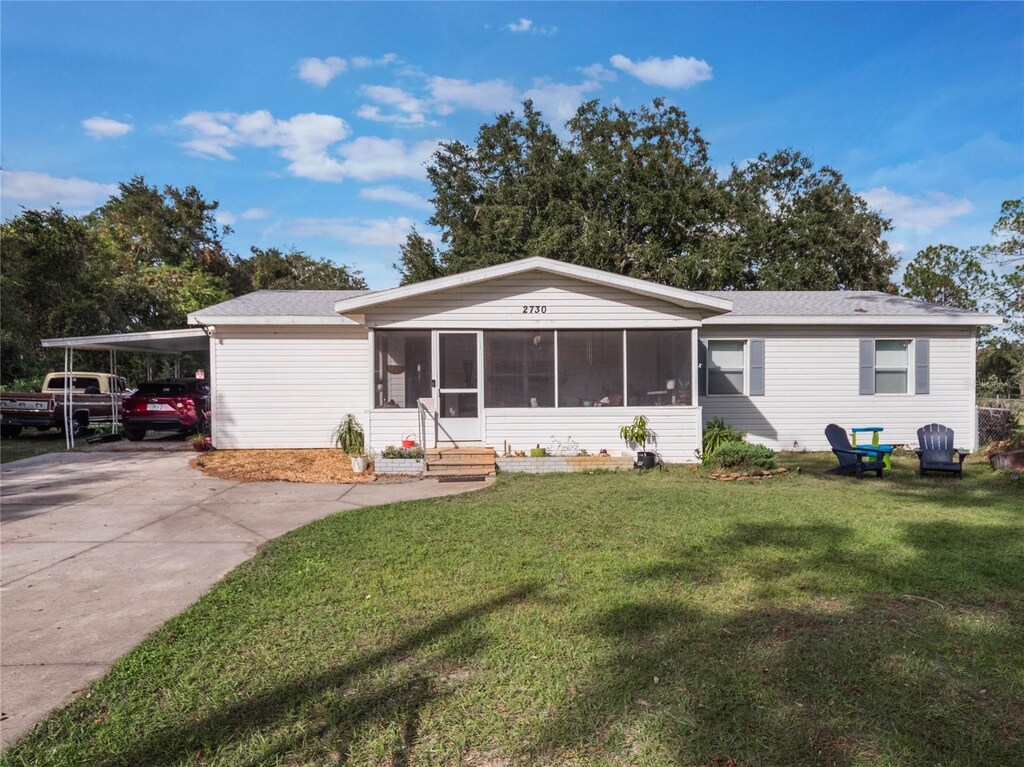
(534, 351)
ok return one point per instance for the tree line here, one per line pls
(634, 192)
(142, 261)
(628, 191)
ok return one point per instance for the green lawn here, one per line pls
(605, 619)
(32, 443)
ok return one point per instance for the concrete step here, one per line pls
(459, 471)
(462, 460)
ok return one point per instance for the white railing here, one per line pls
(425, 410)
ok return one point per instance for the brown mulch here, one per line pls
(324, 466)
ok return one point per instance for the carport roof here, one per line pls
(151, 341)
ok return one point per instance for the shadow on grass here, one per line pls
(342, 700)
(911, 660)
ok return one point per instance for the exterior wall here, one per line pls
(595, 429)
(389, 425)
(499, 304)
(278, 386)
(811, 380)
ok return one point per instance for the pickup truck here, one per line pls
(94, 397)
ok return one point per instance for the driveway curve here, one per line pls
(97, 550)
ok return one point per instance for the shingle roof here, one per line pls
(281, 303)
(746, 303)
(828, 303)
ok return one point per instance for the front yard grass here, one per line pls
(608, 619)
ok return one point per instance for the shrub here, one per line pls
(744, 455)
(392, 451)
(716, 434)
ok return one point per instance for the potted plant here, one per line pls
(349, 437)
(200, 442)
(637, 435)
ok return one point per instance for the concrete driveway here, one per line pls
(97, 550)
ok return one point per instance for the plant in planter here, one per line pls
(200, 442)
(636, 435)
(349, 436)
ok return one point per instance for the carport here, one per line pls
(172, 343)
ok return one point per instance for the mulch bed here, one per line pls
(322, 466)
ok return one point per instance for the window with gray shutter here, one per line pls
(922, 373)
(756, 367)
(867, 366)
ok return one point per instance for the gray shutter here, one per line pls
(921, 366)
(702, 367)
(867, 366)
(756, 367)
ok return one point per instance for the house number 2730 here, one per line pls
(534, 309)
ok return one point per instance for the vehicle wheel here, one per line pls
(79, 422)
(10, 432)
(135, 435)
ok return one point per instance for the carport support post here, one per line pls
(177, 366)
(69, 438)
(115, 395)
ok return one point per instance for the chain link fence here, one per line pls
(996, 423)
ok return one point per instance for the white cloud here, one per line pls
(256, 214)
(321, 71)
(30, 186)
(396, 195)
(374, 232)
(363, 62)
(559, 101)
(305, 139)
(104, 127)
(598, 72)
(527, 26)
(225, 218)
(487, 96)
(522, 25)
(930, 210)
(369, 158)
(410, 110)
(676, 72)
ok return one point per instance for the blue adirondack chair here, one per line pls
(936, 451)
(852, 460)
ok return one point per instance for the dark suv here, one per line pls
(177, 404)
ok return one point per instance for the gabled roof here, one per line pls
(833, 307)
(277, 307)
(707, 304)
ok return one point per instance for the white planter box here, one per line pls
(399, 466)
(553, 464)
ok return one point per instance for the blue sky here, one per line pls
(311, 123)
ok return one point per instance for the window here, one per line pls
(726, 364)
(157, 389)
(519, 368)
(891, 362)
(78, 383)
(590, 368)
(659, 367)
(402, 370)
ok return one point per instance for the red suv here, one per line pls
(177, 404)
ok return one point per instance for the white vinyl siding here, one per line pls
(287, 386)
(532, 301)
(811, 380)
